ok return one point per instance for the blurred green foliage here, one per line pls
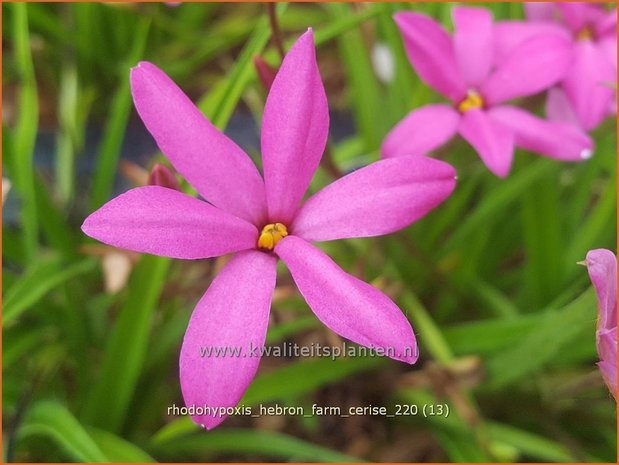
(489, 280)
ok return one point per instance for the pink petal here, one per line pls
(350, 307)
(602, 266)
(559, 108)
(588, 84)
(380, 198)
(431, 52)
(232, 316)
(609, 373)
(220, 171)
(422, 131)
(562, 141)
(606, 25)
(608, 46)
(606, 341)
(509, 35)
(295, 127)
(493, 141)
(577, 15)
(540, 11)
(473, 43)
(607, 344)
(533, 66)
(162, 221)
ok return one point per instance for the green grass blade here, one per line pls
(544, 342)
(430, 335)
(17, 346)
(59, 234)
(365, 93)
(501, 198)
(25, 129)
(542, 224)
(126, 347)
(300, 378)
(264, 443)
(109, 152)
(488, 336)
(117, 449)
(53, 420)
(40, 279)
(66, 138)
(597, 230)
(288, 329)
(530, 444)
(220, 103)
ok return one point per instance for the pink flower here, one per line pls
(465, 69)
(602, 266)
(587, 93)
(261, 220)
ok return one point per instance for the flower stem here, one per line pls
(276, 32)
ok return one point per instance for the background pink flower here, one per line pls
(602, 266)
(467, 69)
(587, 93)
(260, 221)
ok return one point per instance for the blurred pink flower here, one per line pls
(587, 94)
(602, 266)
(261, 220)
(466, 69)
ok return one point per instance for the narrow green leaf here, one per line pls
(530, 444)
(430, 334)
(364, 91)
(340, 25)
(51, 419)
(117, 449)
(489, 336)
(126, 346)
(25, 129)
(502, 196)
(461, 441)
(66, 137)
(301, 377)
(284, 330)
(38, 280)
(59, 234)
(496, 300)
(16, 346)
(544, 342)
(219, 104)
(109, 151)
(544, 269)
(265, 443)
(600, 222)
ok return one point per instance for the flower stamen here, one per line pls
(472, 101)
(271, 234)
(586, 33)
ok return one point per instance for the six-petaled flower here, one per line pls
(467, 69)
(587, 93)
(260, 220)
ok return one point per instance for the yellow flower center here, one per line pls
(586, 33)
(472, 101)
(271, 234)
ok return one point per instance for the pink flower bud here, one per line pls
(161, 175)
(265, 71)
